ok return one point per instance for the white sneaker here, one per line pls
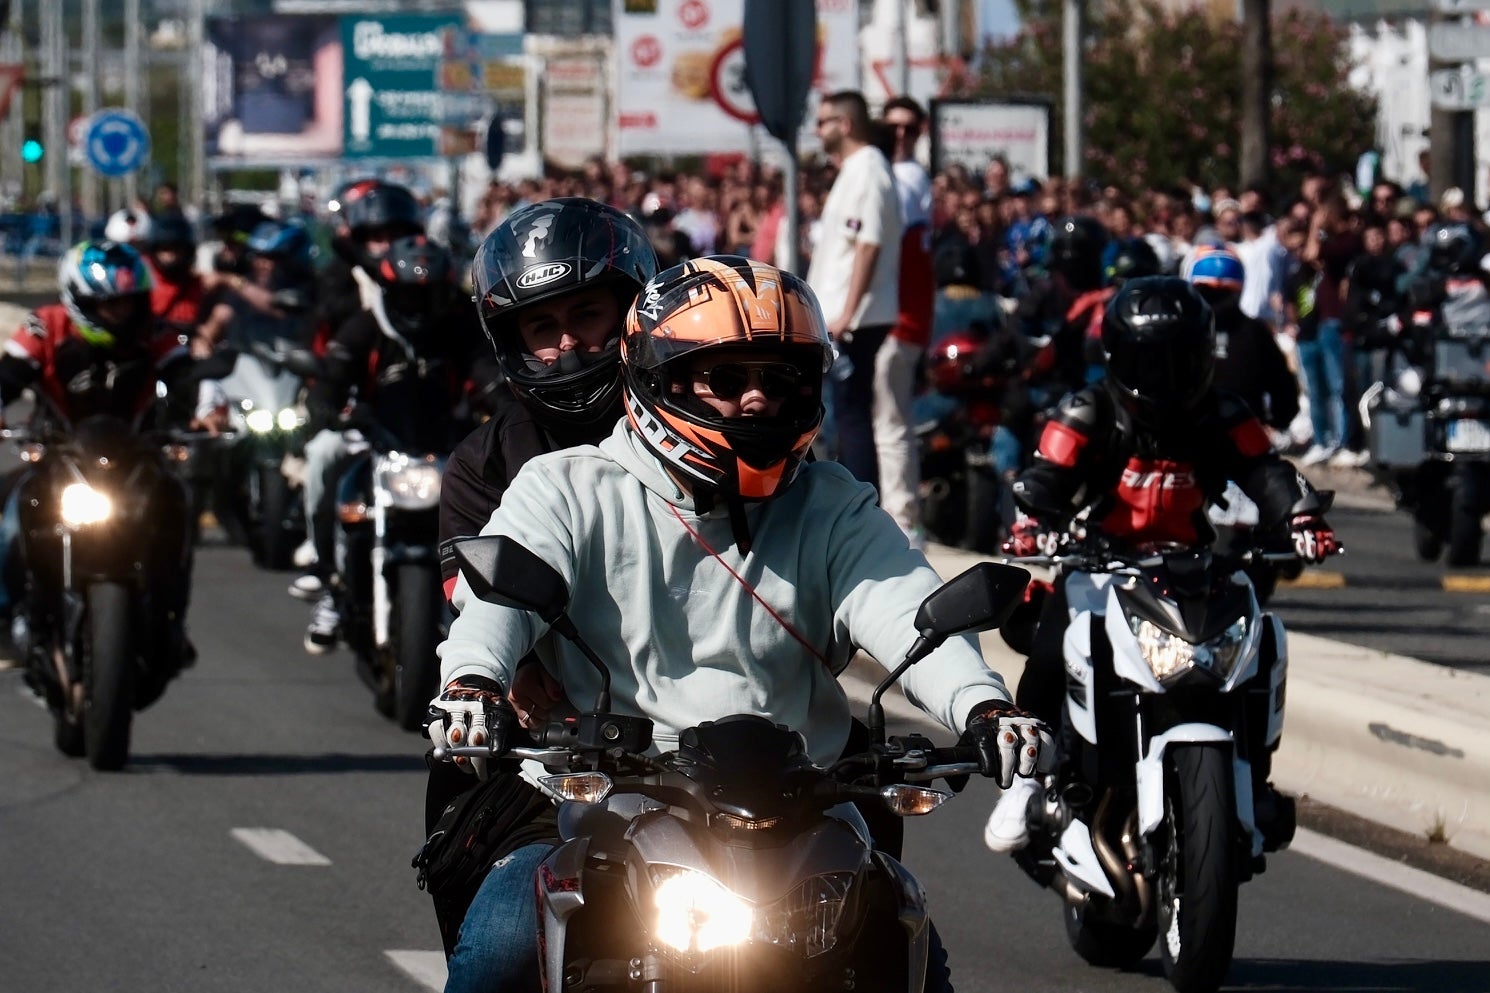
(305, 555)
(309, 587)
(1346, 459)
(1008, 827)
(1316, 455)
(325, 626)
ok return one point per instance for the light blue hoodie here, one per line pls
(685, 641)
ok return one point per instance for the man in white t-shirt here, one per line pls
(855, 270)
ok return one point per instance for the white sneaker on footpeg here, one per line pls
(1008, 827)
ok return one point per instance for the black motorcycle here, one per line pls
(733, 863)
(393, 610)
(105, 556)
(1432, 442)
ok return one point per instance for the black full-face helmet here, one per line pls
(373, 210)
(418, 280)
(172, 244)
(1076, 247)
(1453, 249)
(1159, 344)
(551, 249)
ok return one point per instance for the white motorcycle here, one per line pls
(1160, 809)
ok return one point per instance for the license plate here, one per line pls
(1467, 436)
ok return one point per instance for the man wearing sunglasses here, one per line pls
(855, 271)
(713, 570)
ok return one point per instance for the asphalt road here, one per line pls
(1380, 595)
(149, 879)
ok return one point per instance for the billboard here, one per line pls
(680, 86)
(272, 88)
(394, 105)
(973, 132)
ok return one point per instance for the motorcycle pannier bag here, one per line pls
(1398, 434)
(1462, 362)
(478, 827)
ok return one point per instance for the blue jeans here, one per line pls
(498, 944)
(853, 403)
(1323, 360)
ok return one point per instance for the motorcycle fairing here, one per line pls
(1078, 859)
(1151, 786)
(913, 916)
(1278, 681)
(1196, 619)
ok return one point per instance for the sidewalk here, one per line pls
(1391, 739)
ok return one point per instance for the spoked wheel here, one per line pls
(1198, 875)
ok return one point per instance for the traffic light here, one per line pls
(32, 150)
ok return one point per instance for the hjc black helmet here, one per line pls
(1453, 248)
(1159, 344)
(418, 280)
(550, 249)
(1076, 247)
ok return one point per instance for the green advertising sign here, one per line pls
(392, 105)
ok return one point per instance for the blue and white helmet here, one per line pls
(95, 272)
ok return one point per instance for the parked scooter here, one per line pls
(733, 863)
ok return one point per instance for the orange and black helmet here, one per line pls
(721, 303)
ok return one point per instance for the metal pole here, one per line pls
(14, 131)
(91, 63)
(793, 260)
(902, 53)
(1071, 32)
(58, 79)
(195, 136)
(132, 83)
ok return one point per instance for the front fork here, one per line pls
(380, 597)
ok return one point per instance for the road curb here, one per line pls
(1398, 741)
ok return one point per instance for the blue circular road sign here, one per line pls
(116, 142)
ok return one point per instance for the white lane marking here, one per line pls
(1387, 872)
(425, 968)
(278, 846)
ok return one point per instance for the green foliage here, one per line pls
(1163, 93)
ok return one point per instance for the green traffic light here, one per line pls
(31, 150)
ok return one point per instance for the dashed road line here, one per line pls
(425, 968)
(278, 846)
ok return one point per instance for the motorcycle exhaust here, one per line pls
(1124, 880)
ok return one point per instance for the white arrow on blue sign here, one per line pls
(116, 142)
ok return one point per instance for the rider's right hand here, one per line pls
(471, 710)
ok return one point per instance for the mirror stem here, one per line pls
(922, 648)
(566, 628)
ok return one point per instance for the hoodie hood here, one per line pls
(632, 454)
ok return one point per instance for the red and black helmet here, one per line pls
(418, 280)
(724, 303)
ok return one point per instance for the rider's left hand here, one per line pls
(1010, 741)
(1313, 539)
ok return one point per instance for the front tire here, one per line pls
(276, 540)
(416, 670)
(108, 676)
(1198, 875)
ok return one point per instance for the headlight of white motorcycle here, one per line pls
(411, 484)
(82, 505)
(1169, 656)
(696, 913)
(288, 419)
(260, 420)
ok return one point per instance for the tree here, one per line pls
(1163, 93)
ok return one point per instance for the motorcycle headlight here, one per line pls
(288, 419)
(806, 918)
(695, 913)
(411, 484)
(82, 504)
(260, 420)
(1169, 656)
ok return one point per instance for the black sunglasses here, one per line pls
(728, 380)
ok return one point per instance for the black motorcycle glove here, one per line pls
(1010, 741)
(472, 710)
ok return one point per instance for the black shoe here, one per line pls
(1277, 818)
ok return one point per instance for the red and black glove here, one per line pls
(1313, 539)
(1028, 537)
